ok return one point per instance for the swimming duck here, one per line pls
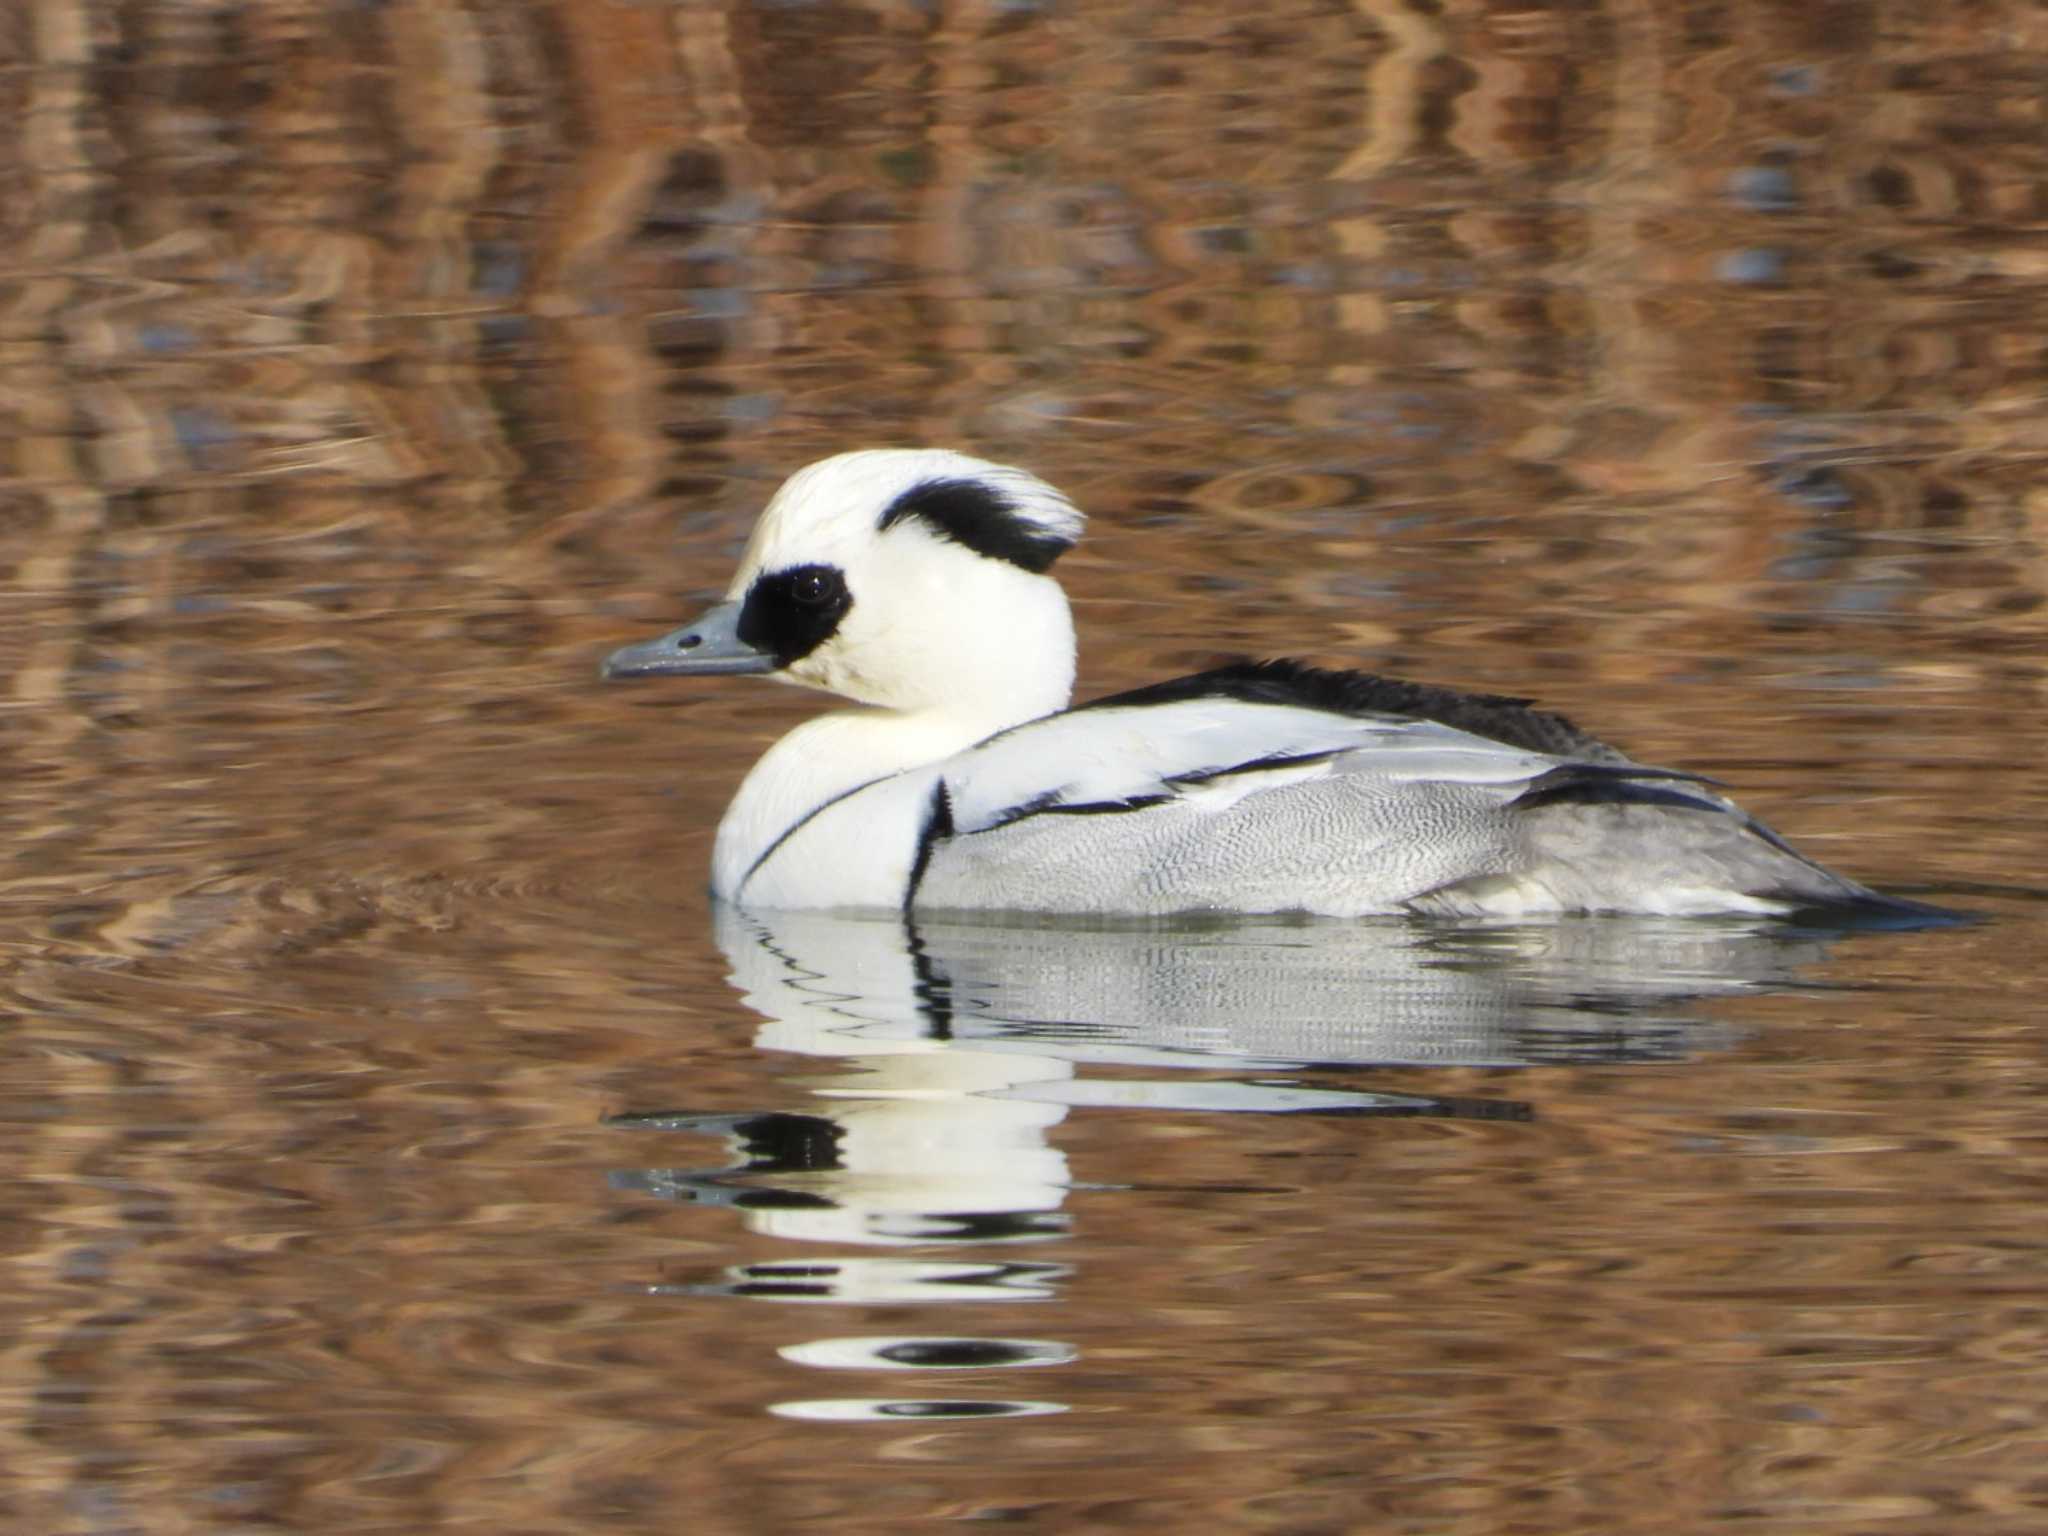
(915, 583)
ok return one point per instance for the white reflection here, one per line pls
(1243, 993)
(955, 1046)
(921, 1352)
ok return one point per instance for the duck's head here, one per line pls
(911, 579)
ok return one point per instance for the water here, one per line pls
(400, 1144)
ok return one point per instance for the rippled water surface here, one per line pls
(400, 1144)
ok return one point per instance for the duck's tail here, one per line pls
(1620, 837)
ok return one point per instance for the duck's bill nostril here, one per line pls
(710, 646)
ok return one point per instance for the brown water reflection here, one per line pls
(369, 371)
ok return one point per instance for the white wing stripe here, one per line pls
(1127, 759)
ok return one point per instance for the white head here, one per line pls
(911, 579)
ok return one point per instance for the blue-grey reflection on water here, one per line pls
(927, 1354)
(961, 1044)
(882, 1409)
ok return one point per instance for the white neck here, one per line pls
(831, 756)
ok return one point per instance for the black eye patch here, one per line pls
(789, 614)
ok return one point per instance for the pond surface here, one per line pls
(401, 1144)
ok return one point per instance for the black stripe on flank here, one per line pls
(1022, 809)
(1495, 716)
(977, 515)
(1049, 804)
(1106, 807)
(938, 825)
(1614, 784)
(1616, 794)
(1255, 765)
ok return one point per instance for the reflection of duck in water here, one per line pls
(957, 1047)
(1010, 1010)
(914, 583)
(922, 1169)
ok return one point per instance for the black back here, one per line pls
(1495, 716)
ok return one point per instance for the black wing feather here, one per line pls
(1497, 717)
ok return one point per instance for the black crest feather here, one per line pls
(978, 515)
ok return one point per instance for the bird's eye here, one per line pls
(814, 589)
